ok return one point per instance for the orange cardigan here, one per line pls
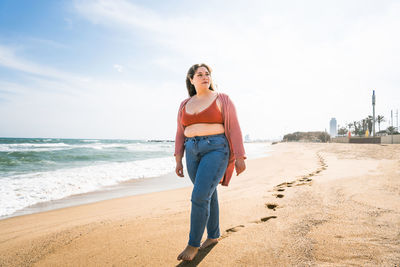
(232, 133)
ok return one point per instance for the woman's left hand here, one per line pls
(240, 166)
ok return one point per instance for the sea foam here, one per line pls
(40, 170)
(18, 192)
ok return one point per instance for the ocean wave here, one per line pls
(90, 144)
(18, 192)
(32, 171)
(33, 147)
(139, 146)
(151, 147)
(97, 146)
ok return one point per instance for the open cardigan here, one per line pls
(232, 132)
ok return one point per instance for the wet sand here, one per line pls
(306, 204)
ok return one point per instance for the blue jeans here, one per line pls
(206, 161)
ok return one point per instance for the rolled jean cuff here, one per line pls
(193, 245)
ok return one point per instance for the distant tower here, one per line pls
(247, 138)
(333, 127)
(373, 113)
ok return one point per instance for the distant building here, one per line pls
(333, 127)
(247, 138)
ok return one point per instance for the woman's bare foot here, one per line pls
(208, 242)
(188, 253)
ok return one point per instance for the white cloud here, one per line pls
(118, 67)
(9, 59)
(303, 63)
(287, 66)
(121, 12)
(48, 102)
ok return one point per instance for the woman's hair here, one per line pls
(190, 74)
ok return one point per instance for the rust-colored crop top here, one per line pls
(209, 115)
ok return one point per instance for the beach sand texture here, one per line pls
(305, 205)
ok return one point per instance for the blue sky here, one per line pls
(116, 69)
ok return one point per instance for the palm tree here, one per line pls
(364, 126)
(380, 119)
(357, 128)
(391, 130)
(342, 131)
(350, 125)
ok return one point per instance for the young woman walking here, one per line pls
(208, 130)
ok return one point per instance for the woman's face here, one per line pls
(201, 78)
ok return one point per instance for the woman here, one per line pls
(209, 130)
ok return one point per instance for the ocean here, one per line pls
(40, 170)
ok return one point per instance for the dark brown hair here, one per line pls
(190, 74)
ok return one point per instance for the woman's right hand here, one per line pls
(179, 169)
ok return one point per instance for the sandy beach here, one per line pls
(305, 205)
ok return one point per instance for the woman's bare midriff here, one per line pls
(201, 129)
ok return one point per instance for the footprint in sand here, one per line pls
(299, 184)
(285, 184)
(231, 230)
(234, 229)
(271, 206)
(322, 161)
(280, 189)
(304, 180)
(264, 219)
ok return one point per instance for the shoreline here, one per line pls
(306, 204)
(133, 187)
(136, 186)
